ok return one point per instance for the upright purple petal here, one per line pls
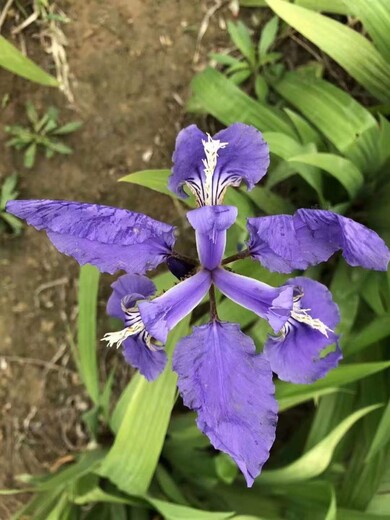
(297, 355)
(163, 313)
(246, 158)
(149, 362)
(109, 238)
(272, 304)
(132, 287)
(210, 224)
(230, 387)
(187, 160)
(286, 242)
(209, 165)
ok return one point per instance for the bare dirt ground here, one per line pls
(131, 64)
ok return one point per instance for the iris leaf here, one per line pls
(342, 169)
(86, 335)
(335, 113)
(315, 461)
(346, 46)
(289, 395)
(225, 101)
(154, 179)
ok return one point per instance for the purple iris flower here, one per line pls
(220, 375)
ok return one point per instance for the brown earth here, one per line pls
(131, 64)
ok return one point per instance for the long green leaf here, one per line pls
(228, 103)
(14, 61)
(315, 461)
(342, 169)
(334, 112)
(289, 395)
(376, 20)
(86, 337)
(133, 458)
(347, 47)
(328, 6)
(381, 437)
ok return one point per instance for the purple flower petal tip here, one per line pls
(210, 224)
(270, 303)
(230, 387)
(133, 287)
(286, 242)
(109, 238)
(209, 165)
(297, 355)
(150, 363)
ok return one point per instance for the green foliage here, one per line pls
(256, 61)
(8, 192)
(355, 53)
(41, 133)
(13, 60)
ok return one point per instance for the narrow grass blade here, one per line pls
(86, 334)
(14, 61)
(381, 437)
(289, 395)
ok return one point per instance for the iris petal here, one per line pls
(149, 362)
(109, 238)
(210, 224)
(286, 242)
(296, 356)
(272, 304)
(163, 313)
(230, 387)
(133, 287)
(209, 165)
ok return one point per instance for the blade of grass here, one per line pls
(86, 334)
(13, 60)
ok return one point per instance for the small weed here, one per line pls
(258, 62)
(8, 192)
(41, 133)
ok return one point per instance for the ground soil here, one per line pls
(131, 62)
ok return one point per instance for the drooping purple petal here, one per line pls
(230, 387)
(132, 287)
(138, 349)
(286, 242)
(272, 304)
(109, 238)
(209, 165)
(210, 224)
(297, 355)
(149, 362)
(163, 313)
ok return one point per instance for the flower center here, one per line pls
(134, 327)
(210, 191)
(302, 316)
